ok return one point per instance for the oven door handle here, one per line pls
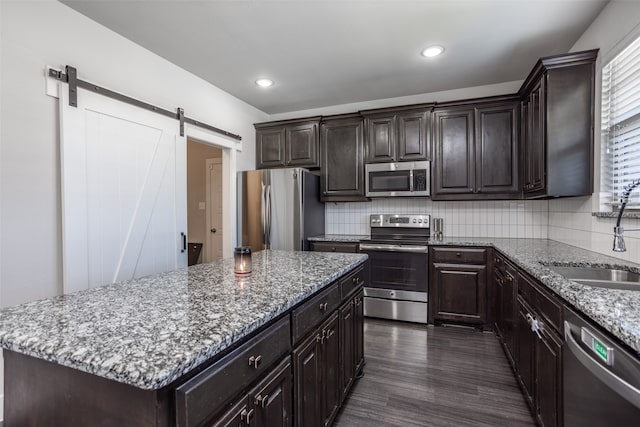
(364, 247)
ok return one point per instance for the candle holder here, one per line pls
(242, 261)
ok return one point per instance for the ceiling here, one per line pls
(331, 52)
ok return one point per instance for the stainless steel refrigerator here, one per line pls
(279, 209)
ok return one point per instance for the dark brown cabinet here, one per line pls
(557, 121)
(458, 285)
(533, 139)
(508, 305)
(267, 405)
(342, 159)
(359, 331)
(308, 371)
(548, 370)
(497, 162)
(287, 143)
(538, 350)
(272, 398)
(330, 355)
(476, 151)
(525, 350)
(348, 353)
(346, 247)
(453, 168)
(270, 148)
(395, 135)
(317, 376)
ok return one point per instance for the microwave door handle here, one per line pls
(411, 180)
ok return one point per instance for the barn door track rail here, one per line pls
(71, 78)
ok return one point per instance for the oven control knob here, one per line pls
(420, 221)
(414, 221)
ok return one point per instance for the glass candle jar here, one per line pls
(242, 260)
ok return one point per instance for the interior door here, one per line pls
(123, 192)
(213, 247)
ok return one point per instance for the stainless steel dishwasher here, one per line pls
(601, 377)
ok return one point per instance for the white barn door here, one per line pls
(124, 203)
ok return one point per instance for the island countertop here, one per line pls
(150, 331)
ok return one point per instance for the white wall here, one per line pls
(570, 220)
(448, 95)
(38, 33)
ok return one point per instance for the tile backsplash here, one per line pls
(571, 222)
(517, 218)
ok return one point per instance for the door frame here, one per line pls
(208, 248)
(229, 148)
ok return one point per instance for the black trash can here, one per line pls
(194, 253)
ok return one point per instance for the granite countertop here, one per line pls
(349, 238)
(617, 311)
(150, 331)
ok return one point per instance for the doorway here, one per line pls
(204, 202)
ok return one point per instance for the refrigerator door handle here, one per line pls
(267, 240)
(298, 220)
(263, 219)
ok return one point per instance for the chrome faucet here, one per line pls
(618, 231)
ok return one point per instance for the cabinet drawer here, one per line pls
(550, 310)
(543, 303)
(311, 313)
(334, 247)
(459, 255)
(203, 395)
(351, 283)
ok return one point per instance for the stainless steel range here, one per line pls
(398, 267)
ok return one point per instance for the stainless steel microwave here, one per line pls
(408, 179)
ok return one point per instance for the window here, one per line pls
(621, 124)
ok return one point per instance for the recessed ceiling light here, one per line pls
(264, 82)
(432, 51)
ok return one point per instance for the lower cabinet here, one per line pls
(548, 368)
(525, 350)
(326, 364)
(317, 383)
(268, 404)
(536, 350)
(359, 331)
(458, 285)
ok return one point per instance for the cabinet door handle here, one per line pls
(246, 416)
(261, 401)
(323, 306)
(255, 361)
(333, 249)
(318, 339)
(330, 333)
(458, 254)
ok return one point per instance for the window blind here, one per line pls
(621, 123)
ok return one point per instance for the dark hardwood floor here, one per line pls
(420, 375)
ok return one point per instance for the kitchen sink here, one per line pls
(610, 278)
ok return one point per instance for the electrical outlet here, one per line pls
(202, 206)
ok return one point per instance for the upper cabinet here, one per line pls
(537, 143)
(557, 126)
(287, 143)
(397, 135)
(475, 147)
(342, 159)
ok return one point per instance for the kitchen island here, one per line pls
(185, 347)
